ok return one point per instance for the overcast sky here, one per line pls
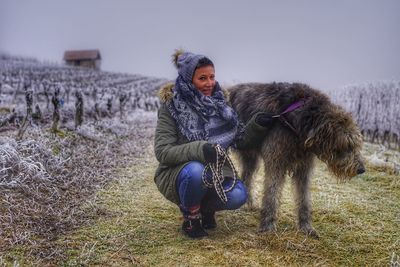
(324, 43)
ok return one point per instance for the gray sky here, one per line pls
(323, 43)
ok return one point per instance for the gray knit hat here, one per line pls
(186, 63)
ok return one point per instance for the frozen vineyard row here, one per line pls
(48, 179)
(101, 94)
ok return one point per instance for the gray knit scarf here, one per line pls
(201, 117)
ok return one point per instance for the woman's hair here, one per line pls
(205, 61)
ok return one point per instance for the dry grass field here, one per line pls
(358, 223)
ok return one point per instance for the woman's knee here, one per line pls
(189, 184)
(237, 197)
(193, 172)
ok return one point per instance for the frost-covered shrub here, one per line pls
(376, 108)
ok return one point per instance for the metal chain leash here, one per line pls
(218, 175)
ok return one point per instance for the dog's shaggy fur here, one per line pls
(325, 130)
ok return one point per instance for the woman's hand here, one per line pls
(210, 153)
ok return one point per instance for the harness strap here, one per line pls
(289, 109)
(294, 106)
(285, 121)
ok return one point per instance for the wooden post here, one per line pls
(78, 109)
(28, 118)
(56, 112)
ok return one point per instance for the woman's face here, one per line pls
(204, 79)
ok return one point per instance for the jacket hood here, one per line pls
(165, 93)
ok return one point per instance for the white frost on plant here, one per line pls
(16, 165)
(376, 108)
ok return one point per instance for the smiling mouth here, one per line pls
(206, 92)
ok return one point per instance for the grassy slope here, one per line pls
(358, 223)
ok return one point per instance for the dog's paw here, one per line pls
(267, 228)
(309, 230)
(249, 206)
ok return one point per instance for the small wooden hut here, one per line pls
(83, 58)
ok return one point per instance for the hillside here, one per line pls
(76, 186)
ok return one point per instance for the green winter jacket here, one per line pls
(173, 150)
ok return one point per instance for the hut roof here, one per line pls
(82, 54)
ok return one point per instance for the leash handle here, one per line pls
(218, 175)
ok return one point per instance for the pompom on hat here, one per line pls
(186, 63)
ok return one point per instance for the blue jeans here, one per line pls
(193, 192)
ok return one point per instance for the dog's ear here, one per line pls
(310, 139)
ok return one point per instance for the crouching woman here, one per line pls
(193, 119)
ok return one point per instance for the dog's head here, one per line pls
(337, 141)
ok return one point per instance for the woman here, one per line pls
(192, 120)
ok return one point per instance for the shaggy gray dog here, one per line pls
(318, 128)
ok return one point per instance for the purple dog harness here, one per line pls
(290, 108)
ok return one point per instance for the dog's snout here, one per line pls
(361, 170)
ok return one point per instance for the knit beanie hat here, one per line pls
(186, 63)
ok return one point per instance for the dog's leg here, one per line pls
(272, 191)
(249, 164)
(301, 180)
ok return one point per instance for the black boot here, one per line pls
(207, 214)
(192, 222)
(208, 220)
(193, 229)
